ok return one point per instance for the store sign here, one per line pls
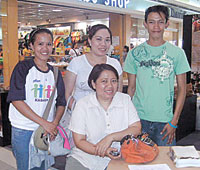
(191, 2)
(177, 13)
(113, 3)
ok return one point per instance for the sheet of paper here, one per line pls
(149, 167)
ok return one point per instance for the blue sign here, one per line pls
(113, 3)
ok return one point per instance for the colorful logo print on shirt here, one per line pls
(41, 92)
(161, 64)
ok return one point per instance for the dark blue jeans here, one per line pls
(20, 147)
(154, 129)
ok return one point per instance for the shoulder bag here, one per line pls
(61, 145)
(41, 141)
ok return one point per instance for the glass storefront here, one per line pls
(2, 14)
(139, 34)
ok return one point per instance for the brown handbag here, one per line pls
(138, 150)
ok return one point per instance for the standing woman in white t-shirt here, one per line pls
(32, 83)
(100, 39)
(74, 52)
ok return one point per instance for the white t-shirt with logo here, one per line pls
(34, 87)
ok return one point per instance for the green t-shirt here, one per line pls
(155, 69)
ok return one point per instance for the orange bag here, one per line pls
(138, 150)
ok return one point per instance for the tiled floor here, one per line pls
(7, 161)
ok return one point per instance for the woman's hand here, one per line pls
(50, 129)
(110, 150)
(103, 145)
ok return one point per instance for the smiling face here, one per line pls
(106, 85)
(156, 24)
(100, 42)
(42, 46)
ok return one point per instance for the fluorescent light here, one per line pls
(57, 25)
(3, 15)
(56, 10)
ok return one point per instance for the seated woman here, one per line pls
(100, 120)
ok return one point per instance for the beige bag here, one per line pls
(41, 141)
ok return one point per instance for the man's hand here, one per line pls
(170, 132)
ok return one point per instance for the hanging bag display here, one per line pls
(138, 150)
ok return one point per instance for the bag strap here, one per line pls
(75, 52)
(68, 100)
(73, 105)
(48, 107)
(63, 133)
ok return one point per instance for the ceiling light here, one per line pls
(3, 15)
(56, 10)
(57, 25)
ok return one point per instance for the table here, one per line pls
(162, 158)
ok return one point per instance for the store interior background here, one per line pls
(64, 19)
(32, 15)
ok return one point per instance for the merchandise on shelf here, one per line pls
(76, 36)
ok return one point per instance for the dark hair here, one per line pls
(60, 43)
(96, 72)
(74, 43)
(96, 28)
(38, 31)
(127, 48)
(158, 9)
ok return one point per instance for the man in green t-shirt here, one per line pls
(152, 68)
